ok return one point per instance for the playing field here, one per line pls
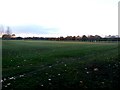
(59, 65)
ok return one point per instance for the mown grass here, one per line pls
(59, 65)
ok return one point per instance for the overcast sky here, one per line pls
(60, 17)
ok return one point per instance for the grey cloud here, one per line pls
(33, 29)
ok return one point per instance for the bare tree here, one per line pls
(8, 34)
(1, 30)
(8, 31)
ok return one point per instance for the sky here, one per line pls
(47, 18)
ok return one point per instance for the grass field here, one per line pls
(59, 65)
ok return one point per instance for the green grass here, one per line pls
(58, 65)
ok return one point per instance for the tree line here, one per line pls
(90, 38)
(7, 35)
